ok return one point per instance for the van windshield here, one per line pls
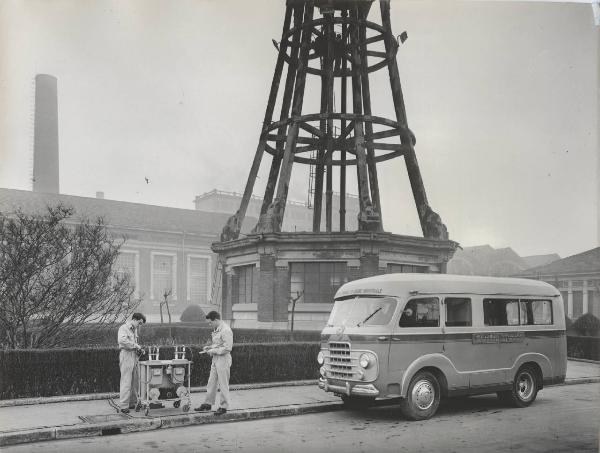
(362, 311)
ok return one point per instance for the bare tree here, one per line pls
(56, 274)
(165, 303)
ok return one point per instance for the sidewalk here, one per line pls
(32, 420)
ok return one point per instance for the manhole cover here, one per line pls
(104, 418)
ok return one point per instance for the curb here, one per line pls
(585, 380)
(149, 424)
(597, 362)
(105, 396)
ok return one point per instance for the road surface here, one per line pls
(563, 419)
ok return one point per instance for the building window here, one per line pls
(577, 304)
(198, 279)
(406, 268)
(317, 282)
(128, 264)
(244, 281)
(421, 312)
(458, 311)
(163, 276)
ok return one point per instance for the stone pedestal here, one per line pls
(269, 257)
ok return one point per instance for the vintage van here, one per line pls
(422, 337)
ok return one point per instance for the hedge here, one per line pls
(580, 347)
(186, 333)
(33, 373)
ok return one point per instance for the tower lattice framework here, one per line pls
(335, 41)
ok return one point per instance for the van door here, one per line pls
(496, 344)
(457, 321)
(417, 333)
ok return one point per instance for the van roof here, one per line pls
(407, 284)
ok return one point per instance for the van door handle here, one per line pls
(383, 338)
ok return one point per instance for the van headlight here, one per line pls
(320, 358)
(365, 360)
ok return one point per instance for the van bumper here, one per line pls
(349, 389)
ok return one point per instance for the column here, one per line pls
(585, 297)
(570, 299)
(226, 295)
(266, 288)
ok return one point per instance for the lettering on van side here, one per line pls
(493, 338)
(361, 291)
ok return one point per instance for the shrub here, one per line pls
(193, 313)
(587, 324)
(32, 373)
(568, 323)
(583, 347)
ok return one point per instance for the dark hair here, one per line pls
(212, 315)
(139, 317)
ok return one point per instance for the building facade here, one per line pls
(577, 277)
(488, 261)
(298, 215)
(166, 251)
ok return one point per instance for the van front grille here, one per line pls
(340, 363)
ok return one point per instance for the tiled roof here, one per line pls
(121, 213)
(540, 260)
(586, 262)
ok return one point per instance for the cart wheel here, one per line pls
(146, 411)
(176, 404)
(185, 407)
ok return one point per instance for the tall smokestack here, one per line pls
(45, 145)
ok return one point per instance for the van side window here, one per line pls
(421, 312)
(458, 311)
(501, 312)
(508, 312)
(536, 312)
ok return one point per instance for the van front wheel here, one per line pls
(423, 398)
(524, 388)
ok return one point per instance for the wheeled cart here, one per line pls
(164, 380)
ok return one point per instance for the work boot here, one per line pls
(203, 407)
(125, 411)
(220, 411)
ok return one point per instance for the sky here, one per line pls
(502, 97)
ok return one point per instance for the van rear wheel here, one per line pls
(423, 397)
(524, 388)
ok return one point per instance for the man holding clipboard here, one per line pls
(220, 350)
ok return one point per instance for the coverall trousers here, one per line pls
(219, 377)
(129, 378)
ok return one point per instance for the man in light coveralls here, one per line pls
(220, 350)
(128, 358)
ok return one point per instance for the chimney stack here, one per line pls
(45, 145)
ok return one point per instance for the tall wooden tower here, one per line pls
(336, 42)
